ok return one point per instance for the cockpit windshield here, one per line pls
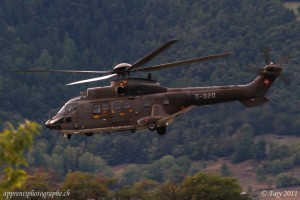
(62, 110)
(68, 108)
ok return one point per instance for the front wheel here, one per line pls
(161, 130)
(151, 127)
(68, 136)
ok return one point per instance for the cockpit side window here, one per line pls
(71, 108)
(68, 108)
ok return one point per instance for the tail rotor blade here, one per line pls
(286, 80)
(283, 59)
(267, 55)
(254, 69)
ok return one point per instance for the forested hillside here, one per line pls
(96, 35)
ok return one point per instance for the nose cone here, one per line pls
(52, 124)
(47, 124)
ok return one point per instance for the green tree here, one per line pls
(69, 52)
(70, 156)
(45, 60)
(261, 174)
(224, 170)
(85, 186)
(277, 151)
(143, 189)
(169, 191)
(244, 145)
(168, 168)
(39, 152)
(286, 180)
(90, 163)
(13, 144)
(56, 162)
(211, 187)
(42, 181)
(125, 193)
(297, 155)
(130, 175)
(260, 149)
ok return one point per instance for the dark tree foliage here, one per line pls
(284, 180)
(199, 186)
(209, 186)
(85, 186)
(260, 152)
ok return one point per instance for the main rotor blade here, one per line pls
(190, 61)
(65, 71)
(93, 79)
(152, 54)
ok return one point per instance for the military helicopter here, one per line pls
(131, 104)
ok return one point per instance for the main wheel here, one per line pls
(89, 134)
(151, 127)
(161, 130)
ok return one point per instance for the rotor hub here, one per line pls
(272, 67)
(122, 69)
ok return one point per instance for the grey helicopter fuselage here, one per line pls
(132, 104)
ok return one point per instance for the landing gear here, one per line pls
(152, 127)
(89, 134)
(68, 136)
(161, 130)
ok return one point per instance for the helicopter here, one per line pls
(132, 104)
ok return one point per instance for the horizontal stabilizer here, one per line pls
(254, 101)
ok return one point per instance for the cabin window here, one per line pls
(146, 103)
(68, 119)
(126, 105)
(117, 105)
(96, 109)
(166, 102)
(104, 106)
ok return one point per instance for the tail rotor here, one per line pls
(269, 64)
